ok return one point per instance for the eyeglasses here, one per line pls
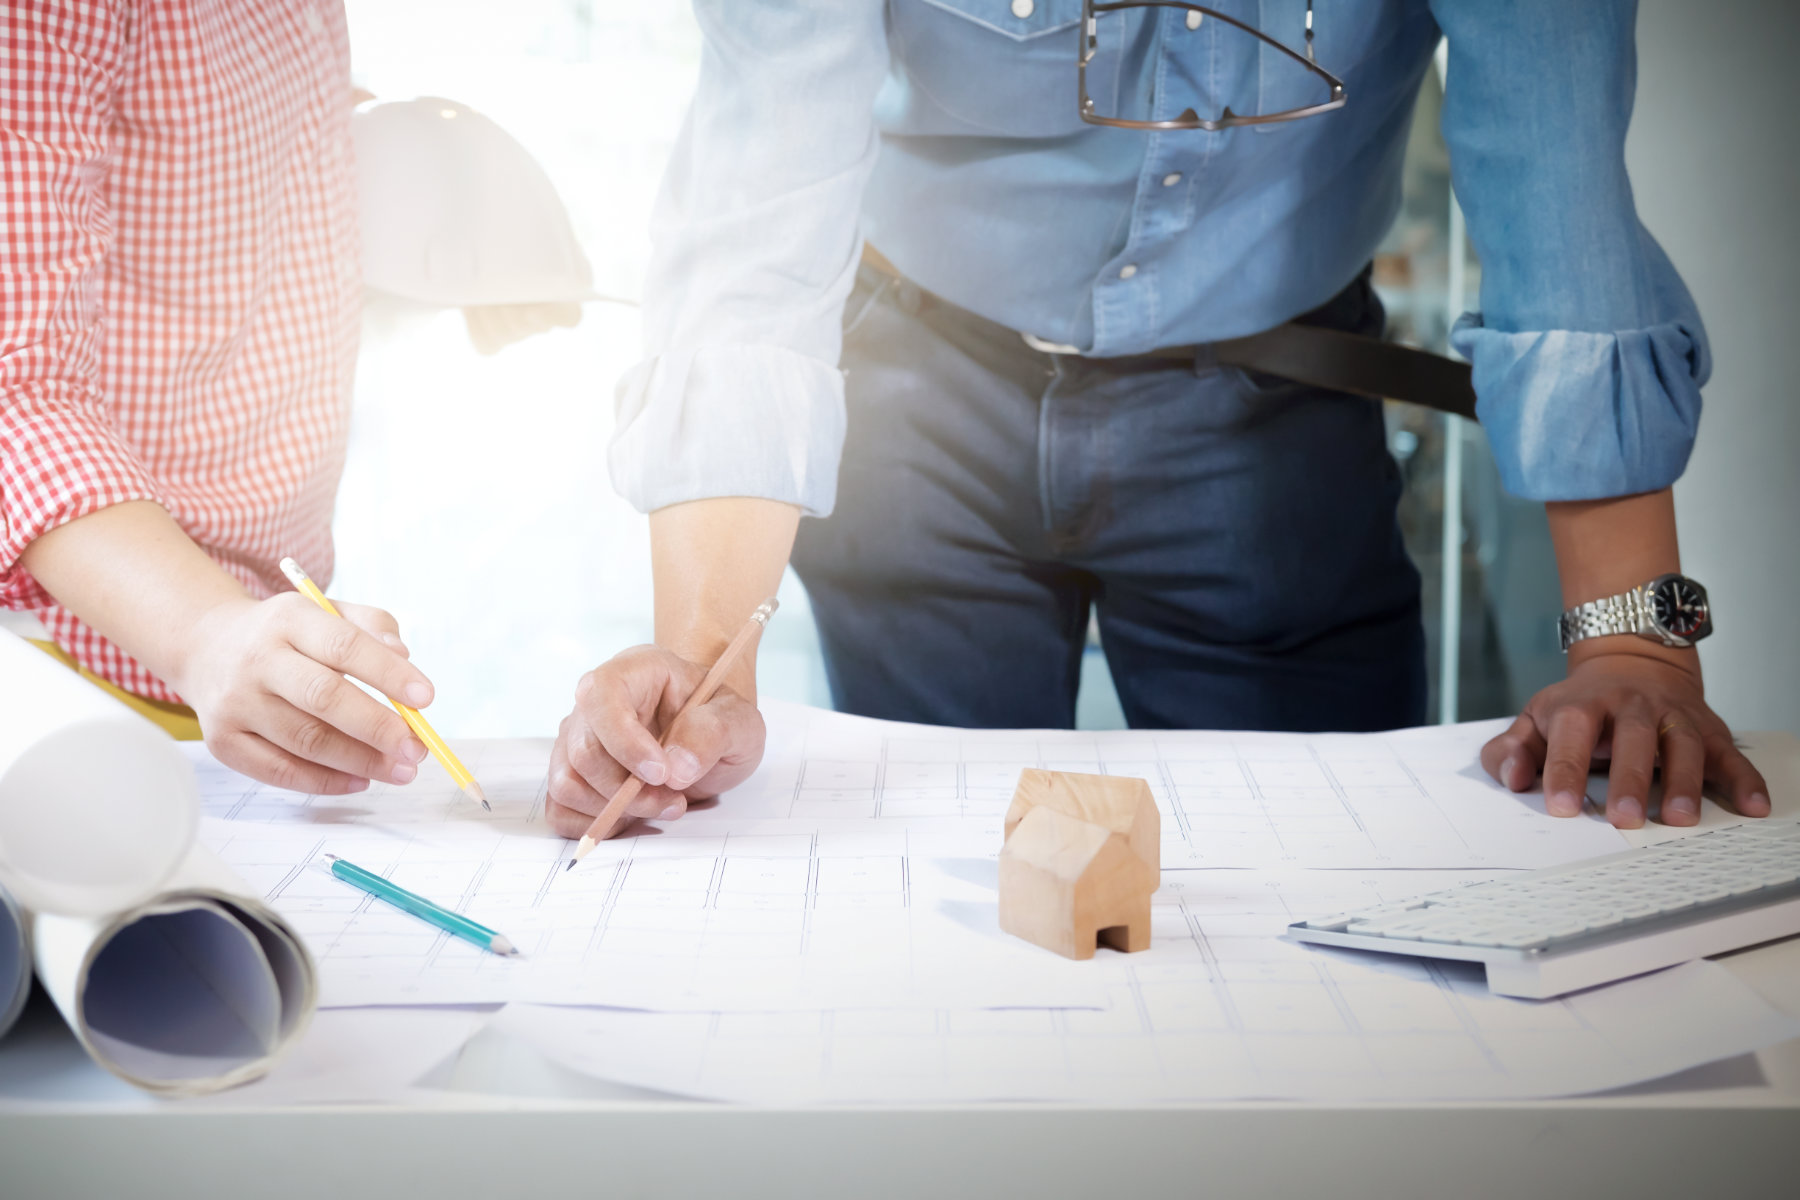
(1189, 119)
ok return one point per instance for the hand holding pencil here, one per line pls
(427, 737)
(710, 738)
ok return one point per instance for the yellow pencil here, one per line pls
(413, 717)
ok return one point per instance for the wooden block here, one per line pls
(1082, 857)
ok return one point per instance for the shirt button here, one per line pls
(1194, 19)
(1023, 8)
(1171, 179)
(1127, 271)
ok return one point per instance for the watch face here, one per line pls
(1679, 606)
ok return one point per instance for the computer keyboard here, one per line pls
(1545, 933)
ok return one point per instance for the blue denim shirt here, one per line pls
(945, 131)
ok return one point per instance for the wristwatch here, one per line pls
(1671, 609)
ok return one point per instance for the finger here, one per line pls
(376, 621)
(571, 799)
(1515, 757)
(674, 809)
(1633, 762)
(1573, 732)
(566, 822)
(656, 803)
(567, 788)
(715, 745)
(321, 693)
(314, 739)
(571, 813)
(587, 757)
(1683, 770)
(349, 650)
(696, 743)
(1736, 776)
(617, 700)
(251, 755)
(741, 751)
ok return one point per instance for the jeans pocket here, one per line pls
(1261, 384)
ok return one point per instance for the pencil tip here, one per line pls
(503, 945)
(473, 791)
(581, 851)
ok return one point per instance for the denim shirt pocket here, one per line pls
(1020, 20)
(990, 67)
(1344, 36)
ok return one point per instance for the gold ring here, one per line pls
(1664, 729)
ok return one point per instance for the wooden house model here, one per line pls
(1082, 856)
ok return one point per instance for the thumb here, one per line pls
(617, 701)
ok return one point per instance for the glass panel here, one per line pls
(1506, 640)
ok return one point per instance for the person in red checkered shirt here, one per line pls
(179, 305)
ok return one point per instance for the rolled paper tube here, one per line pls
(15, 961)
(97, 805)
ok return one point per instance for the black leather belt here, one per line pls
(1348, 362)
(1317, 357)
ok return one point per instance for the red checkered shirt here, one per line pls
(180, 289)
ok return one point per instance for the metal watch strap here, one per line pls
(1627, 612)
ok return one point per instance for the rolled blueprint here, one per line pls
(15, 961)
(200, 988)
(97, 805)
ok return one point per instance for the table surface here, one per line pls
(500, 1119)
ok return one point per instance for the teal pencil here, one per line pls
(419, 906)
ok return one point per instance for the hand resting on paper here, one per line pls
(1634, 706)
(1628, 700)
(621, 708)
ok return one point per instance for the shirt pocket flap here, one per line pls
(1020, 20)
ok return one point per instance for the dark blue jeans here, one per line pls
(1234, 534)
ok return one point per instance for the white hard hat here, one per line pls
(456, 213)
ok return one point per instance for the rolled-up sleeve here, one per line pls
(1588, 353)
(756, 248)
(60, 457)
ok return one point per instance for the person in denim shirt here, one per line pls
(990, 451)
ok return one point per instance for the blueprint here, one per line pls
(1414, 798)
(856, 868)
(1236, 1014)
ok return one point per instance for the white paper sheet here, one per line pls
(1414, 798)
(361, 1055)
(783, 916)
(1244, 1016)
(854, 869)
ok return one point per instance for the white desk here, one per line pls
(500, 1121)
(510, 1124)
